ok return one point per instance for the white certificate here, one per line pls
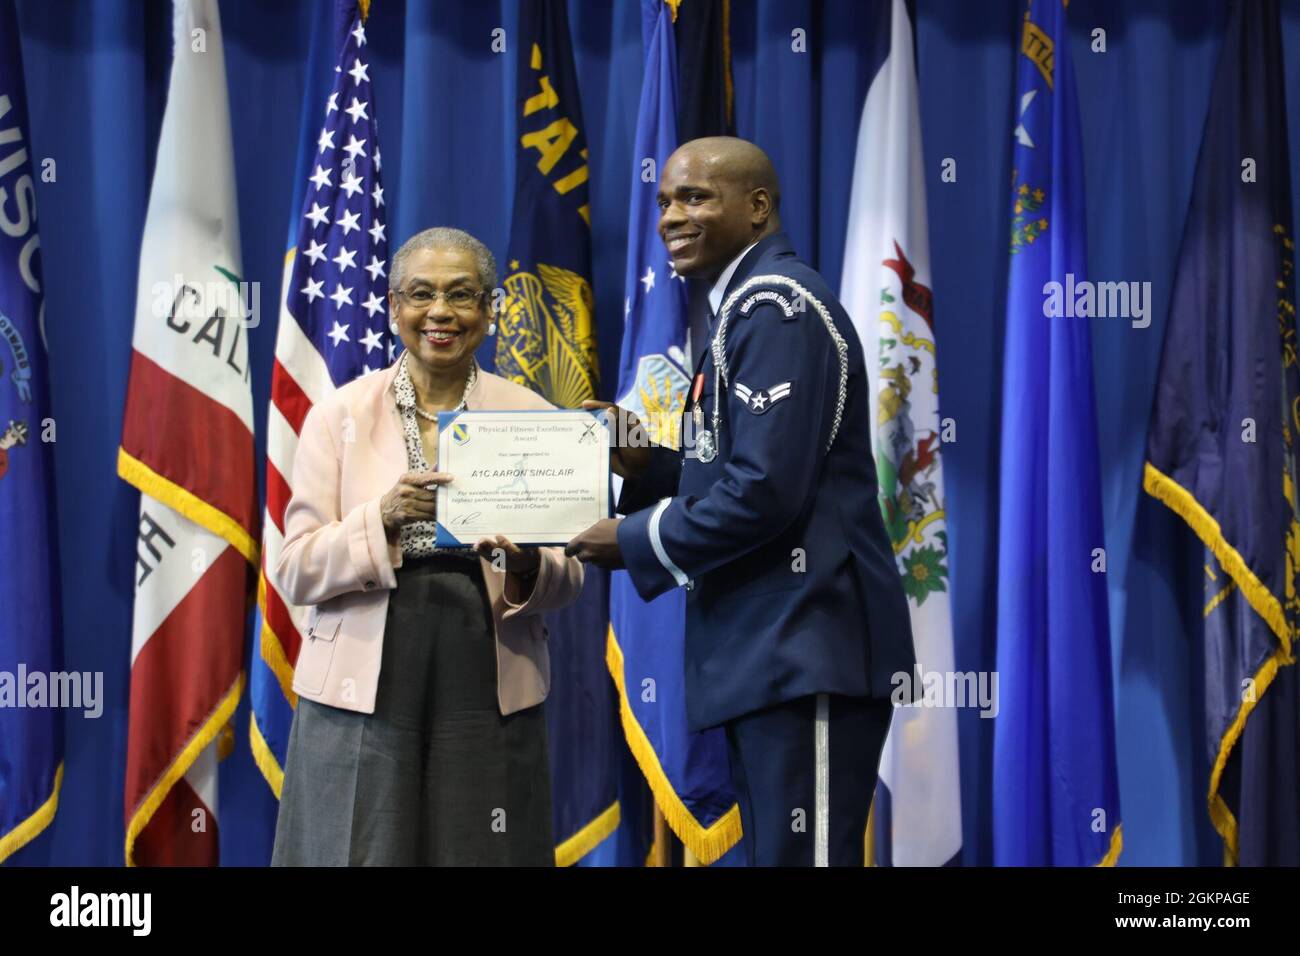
(537, 477)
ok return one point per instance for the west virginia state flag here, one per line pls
(1221, 449)
(546, 341)
(916, 817)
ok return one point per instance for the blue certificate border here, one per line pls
(444, 538)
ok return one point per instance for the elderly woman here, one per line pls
(419, 736)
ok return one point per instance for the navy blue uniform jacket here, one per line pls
(792, 585)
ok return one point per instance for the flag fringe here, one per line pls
(40, 818)
(584, 841)
(1183, 503)
(710, 843)
(181, 765)
(272, 648)
(185, 502)
(1115, 849)
(1220, 814)
(264, 757)
(274, 659)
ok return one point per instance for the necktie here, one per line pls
(701, 323)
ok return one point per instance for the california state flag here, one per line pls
(916, 817)
(187, 444)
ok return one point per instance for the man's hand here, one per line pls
(631, 458)
(598, 545)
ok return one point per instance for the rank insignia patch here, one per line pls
(760, 400)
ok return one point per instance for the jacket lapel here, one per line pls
(386, 430)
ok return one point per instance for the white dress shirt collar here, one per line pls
(720, 287)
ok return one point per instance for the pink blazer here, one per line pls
(337, 559)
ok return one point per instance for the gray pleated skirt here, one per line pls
(435, 776)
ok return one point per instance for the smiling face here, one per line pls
(706, 218)
(437, 335)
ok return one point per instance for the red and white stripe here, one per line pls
(187, 444)
(299, 379)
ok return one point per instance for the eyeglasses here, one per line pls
(462, 300)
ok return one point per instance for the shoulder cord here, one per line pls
(719, 340)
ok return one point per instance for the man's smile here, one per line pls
(680, 241)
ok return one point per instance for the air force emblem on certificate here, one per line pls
(759, 400)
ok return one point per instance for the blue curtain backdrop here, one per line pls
(96, 75)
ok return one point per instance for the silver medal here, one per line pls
(705, 447)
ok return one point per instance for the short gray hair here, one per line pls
(445, 237)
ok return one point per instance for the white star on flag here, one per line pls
(348, 221)
(313, 290)
(372, 340)
(358, 72)
(373, 305)
(332, 105)
(321, 178)
(315, 252)
(377, 194)
(357, 110)
(351, 185)
(360, 34)
(346, 259)
(318, 214)
(339, 333)
(376, 268)
(355, 147)
(377, 232)
(326, 140)
(648, 279)
(341, 296)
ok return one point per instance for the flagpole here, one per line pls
(661, 853)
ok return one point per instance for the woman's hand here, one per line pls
(411, 500)
(629, 447)
(521, 561)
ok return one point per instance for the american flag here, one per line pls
(336, 294)
(333, 328)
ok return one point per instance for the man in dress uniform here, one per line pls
(796, 619)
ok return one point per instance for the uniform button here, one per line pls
(370, 585)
